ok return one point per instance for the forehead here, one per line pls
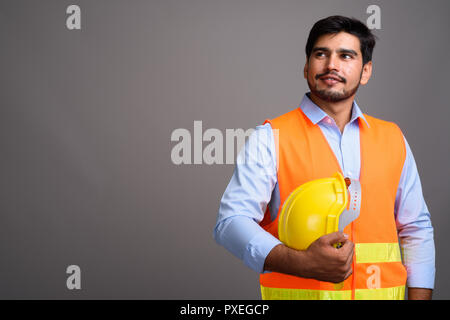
(339, 40)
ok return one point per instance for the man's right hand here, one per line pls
(321, 261)
(327, 263)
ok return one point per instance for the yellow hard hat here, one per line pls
(317, 208)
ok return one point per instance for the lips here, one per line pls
(330, 80)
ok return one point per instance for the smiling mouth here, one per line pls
(330, 81)
(330, 77)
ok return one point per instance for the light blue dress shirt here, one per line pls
(254, 186)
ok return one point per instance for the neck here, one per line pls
(340, 111)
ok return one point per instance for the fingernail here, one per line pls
(345, 236)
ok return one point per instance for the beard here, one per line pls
(329, 94)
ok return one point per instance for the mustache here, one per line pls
(331, 73)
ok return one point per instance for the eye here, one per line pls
(320, 54)
(346, 56)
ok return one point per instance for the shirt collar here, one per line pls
(316, 114)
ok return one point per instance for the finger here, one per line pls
(349, 258)
(335, 237)
(348, 274)
(347, 248)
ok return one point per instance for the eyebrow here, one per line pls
(341, 50)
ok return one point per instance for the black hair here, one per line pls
(335, 24)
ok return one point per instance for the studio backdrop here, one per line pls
(97, 199)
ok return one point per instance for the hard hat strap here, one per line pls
(350, 214)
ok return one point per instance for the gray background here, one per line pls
(86, 119)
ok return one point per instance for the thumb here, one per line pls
(335, 237)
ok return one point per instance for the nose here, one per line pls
(333, 62)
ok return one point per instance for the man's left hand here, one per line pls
(419, 294)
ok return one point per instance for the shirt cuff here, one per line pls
(257, 250)
(420, 276)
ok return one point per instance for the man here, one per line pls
(329, 133)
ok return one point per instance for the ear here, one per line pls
(305, 69)
(366, 73)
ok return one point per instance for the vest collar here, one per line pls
(315, 114)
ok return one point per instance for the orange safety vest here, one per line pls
(303, 154)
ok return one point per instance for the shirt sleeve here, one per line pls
(414, 227)
(245, 200)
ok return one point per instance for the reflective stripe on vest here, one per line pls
(395, 293)
(377, 252)
(303, 154)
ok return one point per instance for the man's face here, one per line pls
(334, 70)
